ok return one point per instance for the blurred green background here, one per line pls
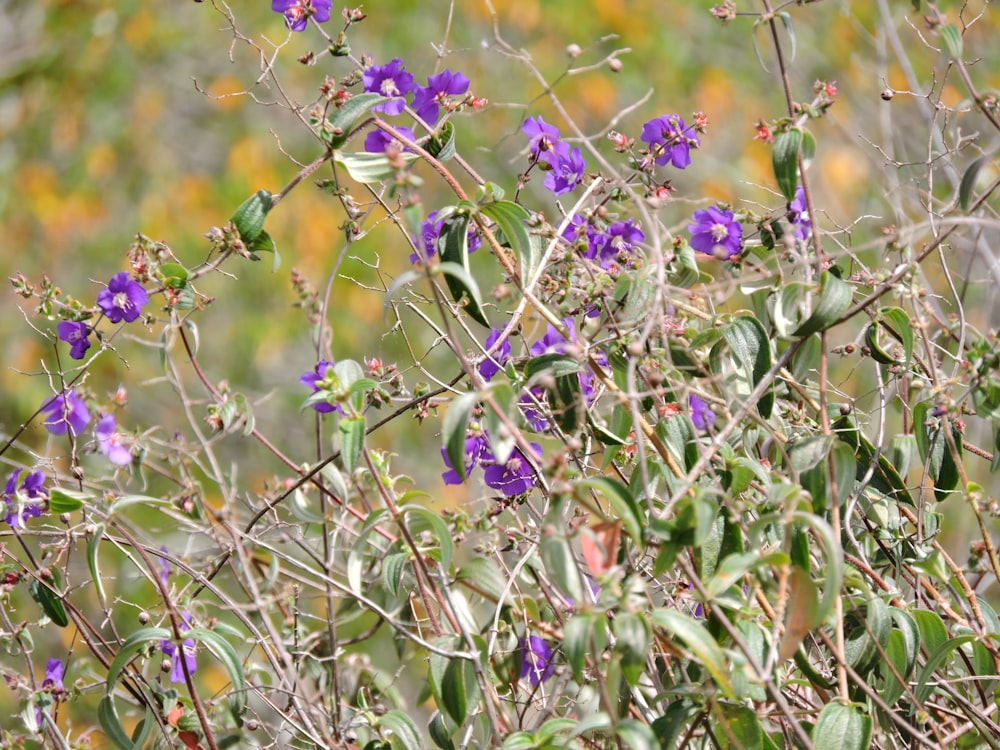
(141, 117)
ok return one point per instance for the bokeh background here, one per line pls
(128, 117)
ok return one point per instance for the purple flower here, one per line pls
(377, 141)
(65, 411)
(123, 299)
(491, 365)
(616, 243)
(669, 140)
(477, 450)
(77, 335)
(427, 98)
(315, 381)
(170, 650)
(430, 232)
(52, 683)
(566, 168)
(26, 501)
(298, 12)
(544, 137)
(515, 477)
(109, 442)
(54, 676)
(715, 232)
(798, 214)
(389, 80)
(702, 416)
(536, 660)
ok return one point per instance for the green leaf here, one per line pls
(835, 297)
(249, 217)
(439, 732)
(707, 652)
(369, 168)
(565, 399)
(455, 429)
(624, 505)
(866, 630)
(393, 567)
(969, 180)
(107, 717)
(737, 727)
(952, 41)
(264, 243)
(750, 344)
(941, 462)
(484, 577)
(127, 501)
(632, 643)
(405, 735)
(457, 687)
(900, 329)
(732, 568)
(833, 561)
(464, 290)
(557, 556)
(352, 440)
(93, 547)
(901, 651)
(636, 735)
(441, 533)
(785, 161)
(173, 275)
(225, 653)
(786, 21)
(453, 247)
(347, 116)
(842, 727)
(576, 642)
(67, 501)
(441, 144)
(129, 649)
(511, 218)
(926, 682)
(48, 599)
(674, 722)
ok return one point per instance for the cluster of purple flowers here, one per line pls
(24, 501)
(298, 12)
(392, 80)
(564, 166)
(512, 478)
(122, 300)
(430, 233)
(67, 412)
(611, 246)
